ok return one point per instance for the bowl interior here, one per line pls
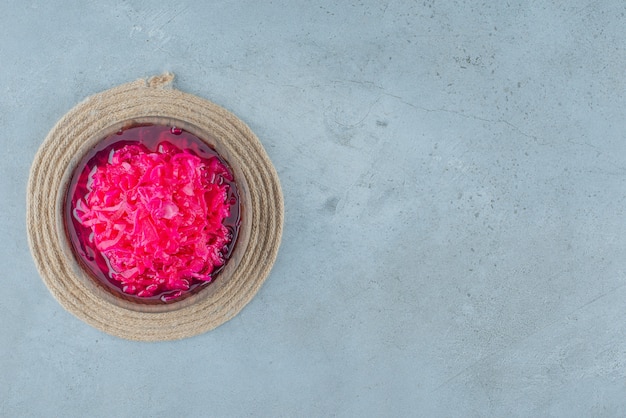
(99, 289)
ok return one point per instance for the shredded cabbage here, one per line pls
(157, 217)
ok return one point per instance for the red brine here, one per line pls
(153, 212)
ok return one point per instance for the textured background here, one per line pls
(455, 184)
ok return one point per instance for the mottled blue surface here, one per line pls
(455, 182)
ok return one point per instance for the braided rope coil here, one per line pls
(262, 219)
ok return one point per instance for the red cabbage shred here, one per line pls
(157, 217)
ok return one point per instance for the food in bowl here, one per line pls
(153, 212)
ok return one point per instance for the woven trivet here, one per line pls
(153, 100)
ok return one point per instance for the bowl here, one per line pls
(91, 265)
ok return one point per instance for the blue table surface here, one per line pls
(454, 177)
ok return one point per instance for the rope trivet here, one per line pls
(71, 138)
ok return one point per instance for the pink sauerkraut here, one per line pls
(157, 217)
